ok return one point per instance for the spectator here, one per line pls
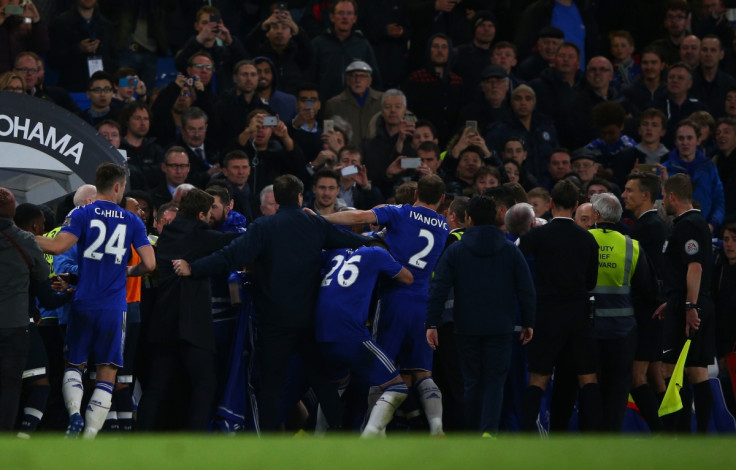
(269, 206)
(676, 23)
(236, 171)
(686, 158)
(224, 54)
(175, 168)
(475, 56)
(650, 85)
(282, 104)
(690, 51)
(286, 45)
(574, 17)
(549, 39)
(710, 83)
(82, 44)
(271, 150)
(358, 103)
(434, 92)
(526, 122)
(556, 86)
(429, 18)
(355, 189)
(335, 50)
(626, 66)
(31, 66)
(128, 86)
(142, 151)
(99, 92)
(22, 32)
(725, 161)
(233, 105)
(385, 24)
(491, 105)
(389, 138)
(204, 157)
(677, 103)
(504, 55)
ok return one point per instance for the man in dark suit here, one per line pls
(286, 249)
(180, 328)
(649, 229)
(565, 270)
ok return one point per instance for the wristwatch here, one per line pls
(689, 305)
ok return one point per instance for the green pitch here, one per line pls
(459, 452)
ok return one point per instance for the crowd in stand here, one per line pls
(362, 99)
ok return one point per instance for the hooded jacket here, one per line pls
(707, 186)
(491, 280)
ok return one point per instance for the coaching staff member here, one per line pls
(286, 248)
(490, 278)
(689, 308)
(566, 269)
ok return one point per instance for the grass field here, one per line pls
(349, 453)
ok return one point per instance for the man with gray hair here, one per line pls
(269, 206)
(86, 194)
(519, 219)
(622, 267)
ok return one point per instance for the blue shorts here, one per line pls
(99, 333)
(399, 329)
(367, 362)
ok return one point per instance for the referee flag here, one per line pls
(672, 401)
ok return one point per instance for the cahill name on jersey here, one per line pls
(105, 232)
(416, 237)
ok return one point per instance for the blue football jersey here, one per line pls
(345, 294)
(105, 232)
(415, 237)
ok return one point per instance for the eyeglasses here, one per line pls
(185, 94)
(599, 69)
(359, 76)
(26, 70)
(107, 89)
(203, 66)
(178, 166)
(17, 89)
(582, 165)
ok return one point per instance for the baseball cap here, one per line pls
(358, 66)
(584, 152)
(551, 32)
(493, 71)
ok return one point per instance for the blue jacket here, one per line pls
(707, 186)
(490, 277)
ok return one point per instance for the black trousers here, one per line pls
(13, 356)
(276, 345)
(173, 367)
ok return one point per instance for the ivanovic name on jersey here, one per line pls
(429, 220)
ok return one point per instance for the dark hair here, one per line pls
(680, 186)
(241, 63)
(517, 191)
(506, 45)
(468, 149)
(622, 33)
(426, 123)
(234, 155)
(307, 86)
(194, 202)
(200, 53)
(459, 207)
(99, 75)
(110, 122)
(405, 193)
(683, 65)
(654, 113)
(354, 3)
(647, 182)
(571, 45)
(678, 5)
(129, 109)
(174, 149)
(123, 72)
(25, 214)
(430, 146)
(487, 170)
(107, 175)
(286, 189)
(430, 189)
(482, 209)
(220, 191)
(350, 149)
(326, 173)
(565, 194)
(608, 113)
(193, 113)
(165, 207)
(140, 195)
(208, 9)
(689, 123)
(501, 195)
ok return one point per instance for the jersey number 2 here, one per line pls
(115, 245)
(417, 260)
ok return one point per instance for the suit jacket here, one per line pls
(287, 250)
(183, 310)
(565, 258)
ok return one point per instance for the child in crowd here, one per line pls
(625, 64)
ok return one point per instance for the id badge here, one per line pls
(94, 64)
